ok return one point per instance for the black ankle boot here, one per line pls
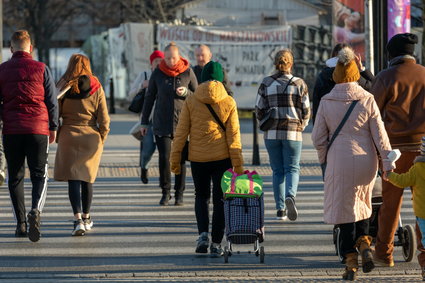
(21, 230)
(178, 199)
(165, 198)
(144, 176)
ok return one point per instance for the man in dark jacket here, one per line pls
(324, 82)
(169, 85)
(203, 56)
(30, 117)
(399, 92)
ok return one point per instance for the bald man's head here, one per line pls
(20, 41)
(203, 55)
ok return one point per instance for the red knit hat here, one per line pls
(156, 54)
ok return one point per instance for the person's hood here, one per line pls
(88, 85)
(210, 92)
(331, 62)
(347, 92)
(402, 59)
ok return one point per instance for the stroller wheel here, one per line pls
(409, 245)
(226, 254)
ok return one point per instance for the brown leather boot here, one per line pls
(363, 245)
(351, 266)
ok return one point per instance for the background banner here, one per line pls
(247, 55)
(398, 17)
(348, 24)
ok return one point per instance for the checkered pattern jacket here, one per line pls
(293, 106)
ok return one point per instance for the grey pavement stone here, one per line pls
(314, 273)
(93, 275)
(119, 275)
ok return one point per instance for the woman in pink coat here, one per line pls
(352, 160)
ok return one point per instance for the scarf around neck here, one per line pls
(181, 66)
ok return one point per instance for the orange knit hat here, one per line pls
(346, 69)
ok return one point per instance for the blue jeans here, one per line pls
(284, 158)
(421, 224)
(147, 148)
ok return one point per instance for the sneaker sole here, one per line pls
(202, 249)
(378, 263)
(79, 232)
(33, 231)
(291, 209)
(282, 218)
(214, 255)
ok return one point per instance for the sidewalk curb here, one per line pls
(273, 274)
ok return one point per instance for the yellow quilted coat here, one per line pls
(207, 140)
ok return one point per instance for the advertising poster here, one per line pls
(349, 24)
(398, 17)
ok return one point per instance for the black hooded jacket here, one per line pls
(324, 84)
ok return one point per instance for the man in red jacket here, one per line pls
(30, 121)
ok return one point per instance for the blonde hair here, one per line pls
(78, 65)
(20, 39)
(284, 65)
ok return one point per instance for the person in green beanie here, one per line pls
(213, 149)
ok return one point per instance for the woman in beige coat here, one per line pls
(84, 127)
(352, 160)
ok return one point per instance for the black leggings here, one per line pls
(350, 232)
(203, 173)
(79, 197)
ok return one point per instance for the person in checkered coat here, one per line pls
(288, 96)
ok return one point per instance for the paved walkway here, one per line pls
(136, 240)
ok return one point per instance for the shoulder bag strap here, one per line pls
(350, 109)
(216, 117)
(289, 82)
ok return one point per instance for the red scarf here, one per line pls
(181, 66)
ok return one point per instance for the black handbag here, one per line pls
(136, 104)
(338, 129)
(267, 122)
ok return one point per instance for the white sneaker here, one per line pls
(88, 223)
(79, 229)
(2, 177)
(281, 214)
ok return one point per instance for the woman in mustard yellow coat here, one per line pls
(212, 150)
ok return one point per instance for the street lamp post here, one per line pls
(380, 31)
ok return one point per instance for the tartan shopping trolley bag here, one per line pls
(243, 212)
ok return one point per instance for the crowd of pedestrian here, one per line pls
(189, 114)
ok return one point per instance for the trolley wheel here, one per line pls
(262, 254)
(226, 254)
(409, 245)
(338, 242)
